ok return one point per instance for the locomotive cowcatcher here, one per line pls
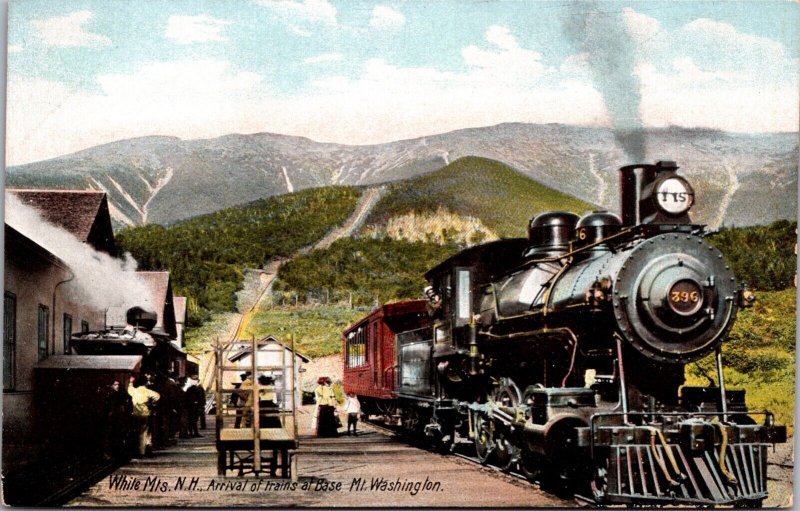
(563, 354)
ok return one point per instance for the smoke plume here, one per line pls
(100, 280)
(602, 34)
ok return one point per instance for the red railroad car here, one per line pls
(370, 359)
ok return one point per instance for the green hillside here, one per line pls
(502, 198)
(761, 256)
(360, 270)
(206, 255)
(317, 330)
(759, 356)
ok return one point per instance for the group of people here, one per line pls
(243, 399)
(155, 409)
(326, 421)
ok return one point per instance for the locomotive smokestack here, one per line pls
(631, 185)
(628, 196)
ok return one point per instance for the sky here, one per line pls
(88, 72)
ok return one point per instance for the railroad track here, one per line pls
(580, 500)
(53, 486)
(511, 473)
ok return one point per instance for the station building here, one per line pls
(39, 317)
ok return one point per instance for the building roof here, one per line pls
(245, 348)
(83, 213)
(179, 302)
(20, 247)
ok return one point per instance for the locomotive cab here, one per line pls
(458, 286)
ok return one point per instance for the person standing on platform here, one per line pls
(195, 405)
(246, 401)
(236, 399)
(353, 410)
(183, 407)
(143, 398)
(326, 406)
(267, 405)
(158, 422)
(116, 415)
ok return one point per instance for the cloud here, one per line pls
(324, 57)
(501, 37)
(69, 30)
(314, 11)
(499, 81)
(188, 98)
(718, 45)
(191, 29)
(506, 62)
(713, 46)
(577, 64)
(384, 16)
(689, 96)
(302, 32)
(708, 74)
(641, 27)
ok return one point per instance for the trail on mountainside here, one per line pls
(600, 199)
(730, 190)
(368, 200)
(160, 183)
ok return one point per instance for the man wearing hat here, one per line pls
(238, 398)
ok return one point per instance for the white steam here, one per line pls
(603, 35)
(100, 280)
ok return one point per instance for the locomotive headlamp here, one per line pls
(674, 195)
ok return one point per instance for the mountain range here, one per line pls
(740, 179)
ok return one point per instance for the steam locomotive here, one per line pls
(562, 355)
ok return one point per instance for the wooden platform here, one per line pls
(372, 457)
(333, 472)
(246, 434)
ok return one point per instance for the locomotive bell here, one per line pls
(595, 227)
(549, 233)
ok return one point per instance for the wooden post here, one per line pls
(218, 402)
(295, 404)
(254, 410)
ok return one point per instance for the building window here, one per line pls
(9, 341)
(67, 333)
(84, 326)
(42, 323)
(357, 347)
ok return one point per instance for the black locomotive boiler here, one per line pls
(563, 354)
